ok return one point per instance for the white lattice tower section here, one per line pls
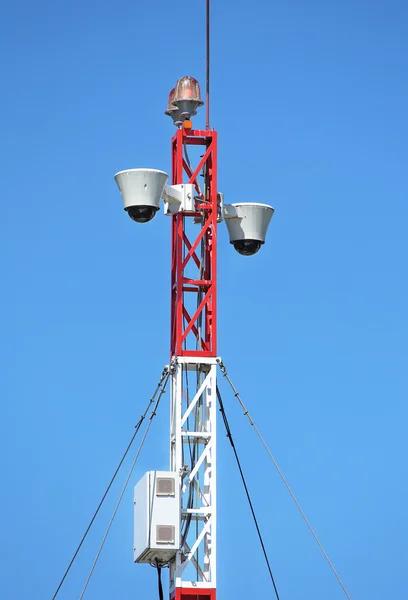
(193, 456)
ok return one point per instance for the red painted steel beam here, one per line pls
(194, 594)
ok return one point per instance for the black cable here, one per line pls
(159, 579)
(229, 436)
(186, 156)
(137, 427)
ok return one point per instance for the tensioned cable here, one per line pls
(137, 427)
(187, 158)
(153, 414)
(231, 441)
(246, 413)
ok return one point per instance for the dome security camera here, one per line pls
(141, 214)
(141, 190)
(247, 224)
(247, 247)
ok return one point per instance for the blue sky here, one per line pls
(310, 103)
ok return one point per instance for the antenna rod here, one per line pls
(207, 69)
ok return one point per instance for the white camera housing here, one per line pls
(247, 224)
(142, 189)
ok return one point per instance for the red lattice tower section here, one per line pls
(194, 255)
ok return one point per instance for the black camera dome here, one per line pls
(247, 247)
(141, 214)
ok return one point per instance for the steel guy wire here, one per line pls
(246, 413)
(152, 415)
(231, 441)
(137, 427)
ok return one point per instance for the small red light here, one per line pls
(172, 111)
(187, 88)
(172, 95)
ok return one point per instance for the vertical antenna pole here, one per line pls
(207, 66)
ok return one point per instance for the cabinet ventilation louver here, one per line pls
(165, 534)
(165, 486)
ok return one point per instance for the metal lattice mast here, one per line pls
(175, 511)
(193, 352)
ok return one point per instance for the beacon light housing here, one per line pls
(142, 190)
(172, 111)
(247, 224)
(187, 96)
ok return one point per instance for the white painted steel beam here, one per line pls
(193, 411)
